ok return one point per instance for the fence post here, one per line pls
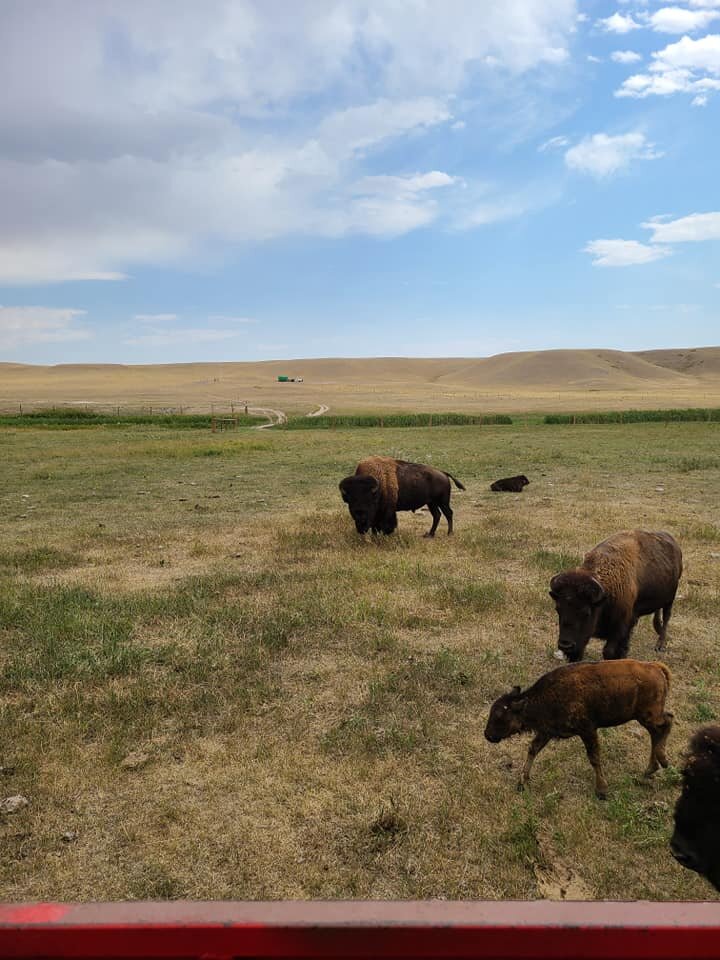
(382, 422)
(20, 405)
(213, 425)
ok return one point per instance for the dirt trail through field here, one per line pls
(320, 411)
(274, 417)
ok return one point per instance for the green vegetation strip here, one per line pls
(636, 416)
(69, 419)
(396, 420)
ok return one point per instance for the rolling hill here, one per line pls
(537, 380)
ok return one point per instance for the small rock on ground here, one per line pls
(13, 804)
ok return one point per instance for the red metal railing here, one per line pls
(538, 930)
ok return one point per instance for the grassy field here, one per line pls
(210, 687)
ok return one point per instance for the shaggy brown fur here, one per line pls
(630, 575)
(695, 841)
(384, 469)
(576, 700)
(381, 486)
(510, 484)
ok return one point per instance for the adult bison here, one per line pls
(630, 575)
(695, 841)
(381, 486)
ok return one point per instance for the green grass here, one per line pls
(395, 420)
(310, 704)
(637, 416)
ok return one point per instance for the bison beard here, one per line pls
(381, 486)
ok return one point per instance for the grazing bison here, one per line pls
(695, 841)
(630, 575)
(381, 486)
(577, 699)
(510, 484)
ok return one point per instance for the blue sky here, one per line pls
(258, 179)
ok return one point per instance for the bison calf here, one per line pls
(510, 484)
(695, 841)
(630, 575)
(381, 486)
(577, 699)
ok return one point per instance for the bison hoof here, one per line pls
(660, 646)
(601, 794)
(428, 536)
(520, 787)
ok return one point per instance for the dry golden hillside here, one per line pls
(539, 380)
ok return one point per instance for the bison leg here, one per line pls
(592, 748)
(435, 511)
(446, 509)
(659, 732)
(537, 743)
(617, 647)
(660, 626)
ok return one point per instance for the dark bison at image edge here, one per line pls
(577, 699)
(695, 841)
(630, 575)
(510, 484)
(381, 486)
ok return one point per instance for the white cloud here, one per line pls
(163, 338)
(555, 143)
(623, 253)
(593, 59)
(155, 317)
(403, 185)
(20, 326)
(618, 23)
(221, 318)
(155, 128)
(701, 100)
(681, 20)
(601, 155)
(691, 229)
(688, 66)
(625, 56)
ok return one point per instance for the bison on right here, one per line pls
(630, 575)
(695, 841)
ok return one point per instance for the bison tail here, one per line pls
(456, 482)
(666, 671)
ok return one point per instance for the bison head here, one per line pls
(506, 716)
(695, 841)
(362, 495)
(578, 598)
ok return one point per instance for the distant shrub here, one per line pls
(636, 416)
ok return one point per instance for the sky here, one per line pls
(267, 179)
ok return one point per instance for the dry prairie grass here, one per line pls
(219, 690)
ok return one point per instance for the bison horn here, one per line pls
(597, 592)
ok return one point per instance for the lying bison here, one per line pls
(695, 841)
(577, 699)
(381, 486)
(510, 484)
(627, 576)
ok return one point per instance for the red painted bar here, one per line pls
(536, 930)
